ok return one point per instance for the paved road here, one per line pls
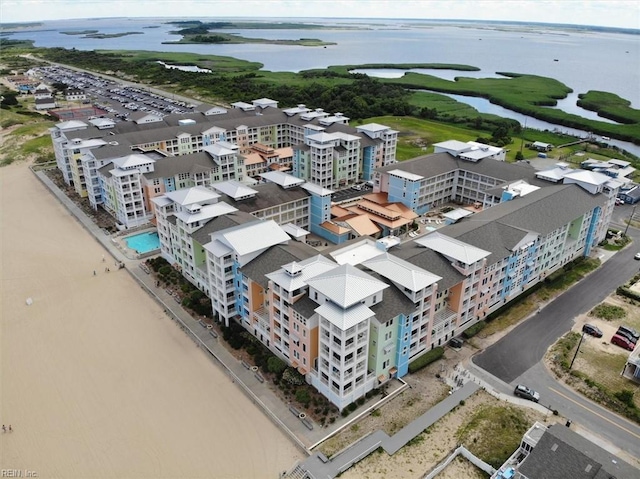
(584, 413)
(527, 343)
(516, 358)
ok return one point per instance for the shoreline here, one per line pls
(95, 381)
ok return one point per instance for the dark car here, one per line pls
(622, 342)
(526, 393)
(592, 330)
(456, 343)
(629, 333)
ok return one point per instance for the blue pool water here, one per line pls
(143, 242)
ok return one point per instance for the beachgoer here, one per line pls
(4, 428)
(94, 272)
(103, 258)
(10, 430)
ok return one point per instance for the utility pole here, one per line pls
(633, 212)
(522, 135)
(577, 351)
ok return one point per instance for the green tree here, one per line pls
(303, 397)
(276, 365)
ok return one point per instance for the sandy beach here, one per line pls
(94, 379)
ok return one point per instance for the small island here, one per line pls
(97, 34)
(199, 32)
(79, 32)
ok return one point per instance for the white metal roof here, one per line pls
(161, 200)
(309, 268)
(196, 194)
(401, 272)
(89, 143)
(452, 248)
(132, 161)
(356, 253)
(346, 285)
(251, 237)
(457, 214)
(316, 189)
(405, 174)
(102, 122)
(590, 177)
(206, 212)
(220, 149)
(234, 189)
(295, 230)
(283, 179)
(453, 145)
(372, 127)
(71, 125)
(217, 248)
(344, 318)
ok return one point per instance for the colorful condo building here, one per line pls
(214, 144)
(354, 316)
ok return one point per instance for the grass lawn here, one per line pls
(494, 432)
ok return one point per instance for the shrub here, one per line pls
(475, 329)
(462, 403)
(360, 401)
(608, 312)
(352, 407)
(625, 396)
(303, 397)
(293, 377)
(426, 359)
(276, 365)
(345, 412)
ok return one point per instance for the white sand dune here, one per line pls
(95, 380)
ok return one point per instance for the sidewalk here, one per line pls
(246, 379)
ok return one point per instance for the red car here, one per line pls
(622, 342)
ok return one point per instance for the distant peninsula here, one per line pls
(96, 34)
(195, 31)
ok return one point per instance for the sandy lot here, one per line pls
(94, 379)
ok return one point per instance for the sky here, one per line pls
(608, 13)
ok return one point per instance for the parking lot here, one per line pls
(113, 97)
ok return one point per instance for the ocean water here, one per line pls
(583, 60)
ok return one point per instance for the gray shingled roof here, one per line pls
(305, 306)
(129, 132)
(441, 163)
(393, 302)
(274, 258)
(174, 165)
(269, 194)
(220, 223)
(500, 227)
(428, 259)
(572, 457)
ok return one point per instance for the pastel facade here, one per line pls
(228, 136)
(355, 316)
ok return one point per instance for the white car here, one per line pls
(637, 256)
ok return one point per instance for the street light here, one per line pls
(577, 351)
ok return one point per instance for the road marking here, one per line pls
(597, 414)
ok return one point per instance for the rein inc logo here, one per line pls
(17, 473)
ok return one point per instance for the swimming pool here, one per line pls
(143, 242)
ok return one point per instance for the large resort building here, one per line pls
(355, 314)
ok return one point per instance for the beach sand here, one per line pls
(95, 380)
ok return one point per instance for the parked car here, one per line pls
(629, 333)
(592, 330)
(637, 256)
(526, 393)
(456, 343)
(622, 342)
